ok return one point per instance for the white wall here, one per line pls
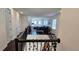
(16, 25)
(69, 29)
(13, 12)
(8, 23)
(3, 36)
(11, 24)
(23, 22)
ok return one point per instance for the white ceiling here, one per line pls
(38, 11)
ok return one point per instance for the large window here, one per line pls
(38, 21)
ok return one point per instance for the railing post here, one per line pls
(37, 46)
(16, 44)
(54, 45)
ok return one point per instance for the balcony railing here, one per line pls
(53, 43)
(40, 44)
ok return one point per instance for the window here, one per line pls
(45, 22)
(34, 21)
(54, 24)
(39, 22)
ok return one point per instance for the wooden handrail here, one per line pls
(57, 40)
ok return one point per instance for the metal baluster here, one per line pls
(29, 46)
(51, 46)
(26, 47)
(54, 45)
(16, 44)
(33, 46)
(37, 46)
(41, 46)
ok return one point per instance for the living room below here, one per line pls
(41, 25)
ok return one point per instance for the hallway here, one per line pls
(36, 25)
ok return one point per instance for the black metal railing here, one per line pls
(53, 42)
(21, 36)
(22, 40)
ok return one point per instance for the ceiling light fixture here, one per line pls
(21, 12)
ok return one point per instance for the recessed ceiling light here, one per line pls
(21, 12)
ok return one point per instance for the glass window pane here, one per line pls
(45, 22)
(54, 24)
